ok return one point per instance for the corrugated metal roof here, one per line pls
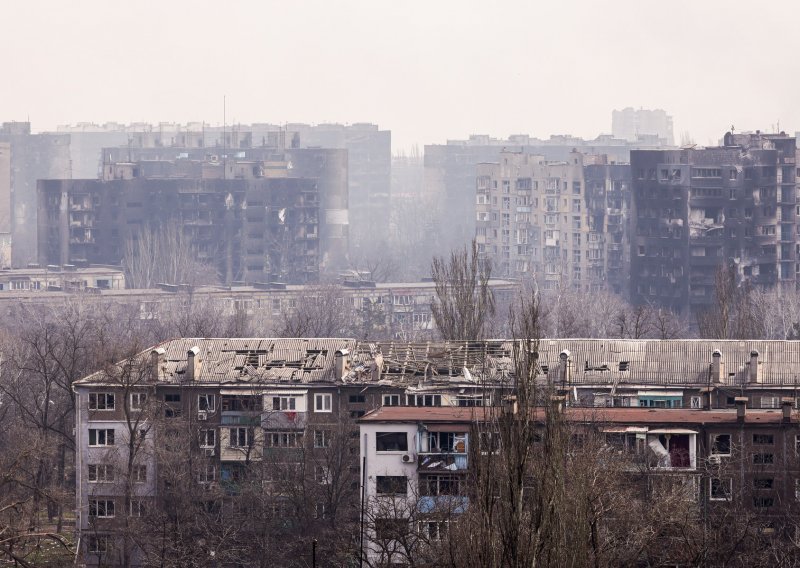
(592, 362)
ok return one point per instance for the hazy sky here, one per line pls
(428, 70)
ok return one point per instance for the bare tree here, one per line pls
(464, 302)
(163, 254)
(733, 314)
(322, 312)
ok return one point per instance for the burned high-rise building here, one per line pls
(695, 209)
(251, 219)
(560, 222)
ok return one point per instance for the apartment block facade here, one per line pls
(232, 408)
(695, 209)
(252, 219)
(561, 223)
(418, 465)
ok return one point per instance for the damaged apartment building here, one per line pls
(269, 402)
(563, 223)
(259, 215)
(695, 209)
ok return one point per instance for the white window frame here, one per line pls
(292, 439)
(211, 402)
(285, 403)
(696, 402)
(713, 440)
(730, 489)
(104, 432)
(322, 438)
(204, 435)
(96, 405)
(137, 473)
(96, 502)
(136, 508)
(323, 402)
(248, 434)
(389, 398)
(103, 473)
(138, 400)
(207, 474)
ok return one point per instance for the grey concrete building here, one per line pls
(450, 170)
(368, 154)
(695, 209)
(562, 223)
(246, 220)
(33, 157)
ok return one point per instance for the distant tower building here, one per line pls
(696, 209)
(631, 125)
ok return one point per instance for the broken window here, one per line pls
(763, 502)
(763, 483)
(391, 442)
(763, 439)
(720, 489)
(206, 402)
(172, 407)
(434, 485)
(391, 485)
(721, 444)
(208, 438)
(763, 459)
(390, 529)
(101, 508)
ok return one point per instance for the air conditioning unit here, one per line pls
(209, 452)
(714, 459)
(202, 415)
(407, 458)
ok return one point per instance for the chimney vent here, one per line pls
(341, 362)
(786, 407)
(192, 363)
(157, 357)
(717, 366)
(754, 370)
(741, 407)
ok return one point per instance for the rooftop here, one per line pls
(617, 363)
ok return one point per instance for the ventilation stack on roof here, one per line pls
(565, 367)
(341, 362)
(754, 369)
(786, 407)
(157, 358)
(193, 363)
(741, 407)
(717, 366)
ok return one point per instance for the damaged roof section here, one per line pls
(449, 363)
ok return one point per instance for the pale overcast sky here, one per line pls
(428, 70)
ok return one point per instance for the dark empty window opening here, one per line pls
(391, 441)
(391, 484)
